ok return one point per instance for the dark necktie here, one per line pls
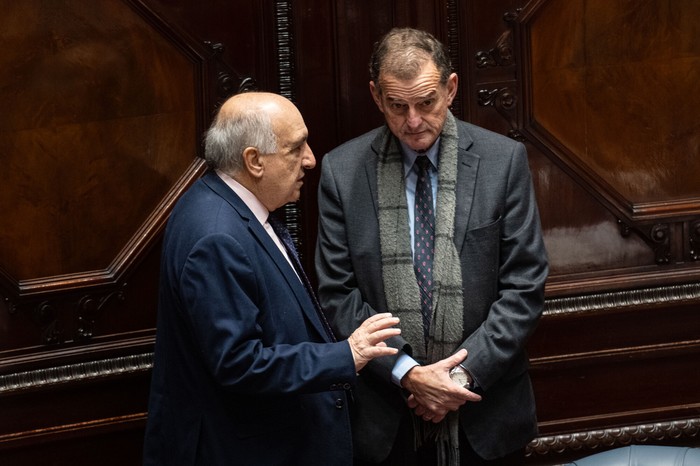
(424, 239)
(283, 234)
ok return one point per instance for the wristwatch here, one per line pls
(461, 376)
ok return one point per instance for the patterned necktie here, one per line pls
(283, 234)
(424, 239)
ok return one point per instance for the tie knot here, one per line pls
(423, 163)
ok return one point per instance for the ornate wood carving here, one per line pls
(228, 82)
(88, 310)
(505, 101)
(500, 55)
(285, 72)
(684, 428)
(42, 378)
(453, 48)
(694, 240)
(623, 299)
(656, 236)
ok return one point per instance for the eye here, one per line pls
(428, 103)
(396, 106)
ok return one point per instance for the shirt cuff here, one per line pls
(403, 364)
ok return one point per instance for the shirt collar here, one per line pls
(409, 156)
(255, 206)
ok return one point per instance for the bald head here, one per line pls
(245, 120)
(259, 139)
(246, 103)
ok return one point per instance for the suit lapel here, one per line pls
(466, 184)
(258, 231)
(371, 170)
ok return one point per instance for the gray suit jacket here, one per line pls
(504, 268)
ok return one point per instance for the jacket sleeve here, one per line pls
(346, 302)
(249, 331)
(496, 348)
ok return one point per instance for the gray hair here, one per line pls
(229, 135)
(402, 52)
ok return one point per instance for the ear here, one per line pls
(376, 95)
(452, 83)
(252, 162)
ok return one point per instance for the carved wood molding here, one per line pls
(694, 240)
(43, 378)
(284, 38)
(138, 363)
(683, 428)
(453, 47)
(505, 101)
(623, 299)
(225, 80)
(500, 55)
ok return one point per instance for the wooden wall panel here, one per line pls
(104, 104)
(103, 108)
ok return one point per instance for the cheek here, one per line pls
(394, 121)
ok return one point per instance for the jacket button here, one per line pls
(339, 403)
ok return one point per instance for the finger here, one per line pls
(381, 324)
(456, 358)
(379, 317)
(381, 335)
(372, 352)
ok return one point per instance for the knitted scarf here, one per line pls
(400, 286)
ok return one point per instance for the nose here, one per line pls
(413, 118)
(308, 161)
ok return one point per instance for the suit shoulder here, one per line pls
(359, 145)
(481, 135)
(489, 145)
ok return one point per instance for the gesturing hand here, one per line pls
(367, 342)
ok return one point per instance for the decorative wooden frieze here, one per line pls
(61, 320)
(623, 299)
(453, 48)
(89, 308)
(657, 236)
(42, 378)
(694, 240)
(45, 316)
(500, 55)
(684, 428)
(505, 101)
(228, 82)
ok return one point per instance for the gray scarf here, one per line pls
(400, 286)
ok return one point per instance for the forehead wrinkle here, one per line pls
(424, 87)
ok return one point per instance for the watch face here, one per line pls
(460, 377)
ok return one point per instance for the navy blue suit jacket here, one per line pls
(243, 372)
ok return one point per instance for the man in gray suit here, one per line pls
(452, 247)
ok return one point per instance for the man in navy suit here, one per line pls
(246, 369)
(459, 391)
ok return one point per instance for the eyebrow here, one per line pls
(299, 141)
(427, 96)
